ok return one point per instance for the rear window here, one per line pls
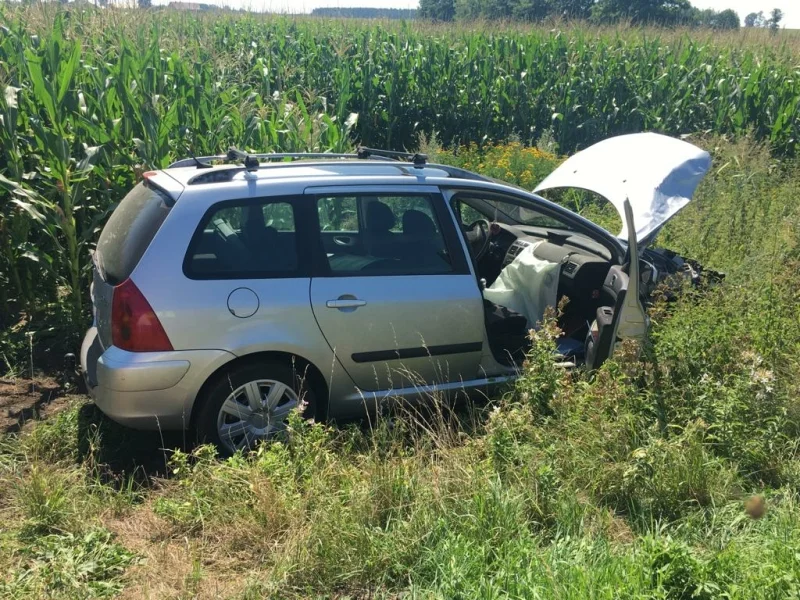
(128, 233)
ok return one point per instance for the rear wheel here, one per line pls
(250, 404)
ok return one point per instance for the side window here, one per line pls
(245, 240)
(338, 214)
(404, 204)
(279, 216)
(505, 212)
(382, 235)
(468, 214)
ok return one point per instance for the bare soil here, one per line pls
(25, 400)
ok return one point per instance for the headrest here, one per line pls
(253, 226)
(379, 216)
(417, 223)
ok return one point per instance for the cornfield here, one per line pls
(94, 97)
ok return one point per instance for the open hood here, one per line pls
(656, 173)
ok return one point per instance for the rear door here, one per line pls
(392, 292)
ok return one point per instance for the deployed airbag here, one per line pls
(528, 285)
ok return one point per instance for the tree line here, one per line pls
(366, 13)
(642, 12)
(757, 19)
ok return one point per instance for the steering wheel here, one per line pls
(477, 235)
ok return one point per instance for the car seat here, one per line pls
(268, 252)
(380, 240)
(422, 243)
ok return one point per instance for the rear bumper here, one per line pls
(147, 390)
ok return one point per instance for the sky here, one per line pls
(790, 8)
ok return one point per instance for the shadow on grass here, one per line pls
(121, 453)
(428, 420)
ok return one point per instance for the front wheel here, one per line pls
(251, 403)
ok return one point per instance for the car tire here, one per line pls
(250, 403)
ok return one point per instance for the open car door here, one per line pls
(624, 317)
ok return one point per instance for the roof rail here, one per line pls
(418, 159)
(251, 161)
(243, 156)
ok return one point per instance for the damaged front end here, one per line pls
(667, 273)
(658, 176)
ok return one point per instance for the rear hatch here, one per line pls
(122, 243)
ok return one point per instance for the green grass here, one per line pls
(672, 474)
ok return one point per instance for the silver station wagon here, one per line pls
(227, 295)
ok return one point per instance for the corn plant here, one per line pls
(78, 127)
(91, 98)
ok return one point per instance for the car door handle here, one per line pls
(343, 240)
(346, 303)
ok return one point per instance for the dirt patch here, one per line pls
(171, 567)
(25, 400)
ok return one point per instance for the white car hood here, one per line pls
(656, 173)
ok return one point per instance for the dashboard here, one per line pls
(584, 262)
(577, 253)
(572, 261)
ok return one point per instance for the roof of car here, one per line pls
(180, 177)
(344, 167)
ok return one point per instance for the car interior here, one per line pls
(499, 233)
(394, 235)
(246, 239)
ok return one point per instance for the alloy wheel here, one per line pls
(255, 411)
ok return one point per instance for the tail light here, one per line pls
(134, 324)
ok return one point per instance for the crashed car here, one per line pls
(230, 290)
